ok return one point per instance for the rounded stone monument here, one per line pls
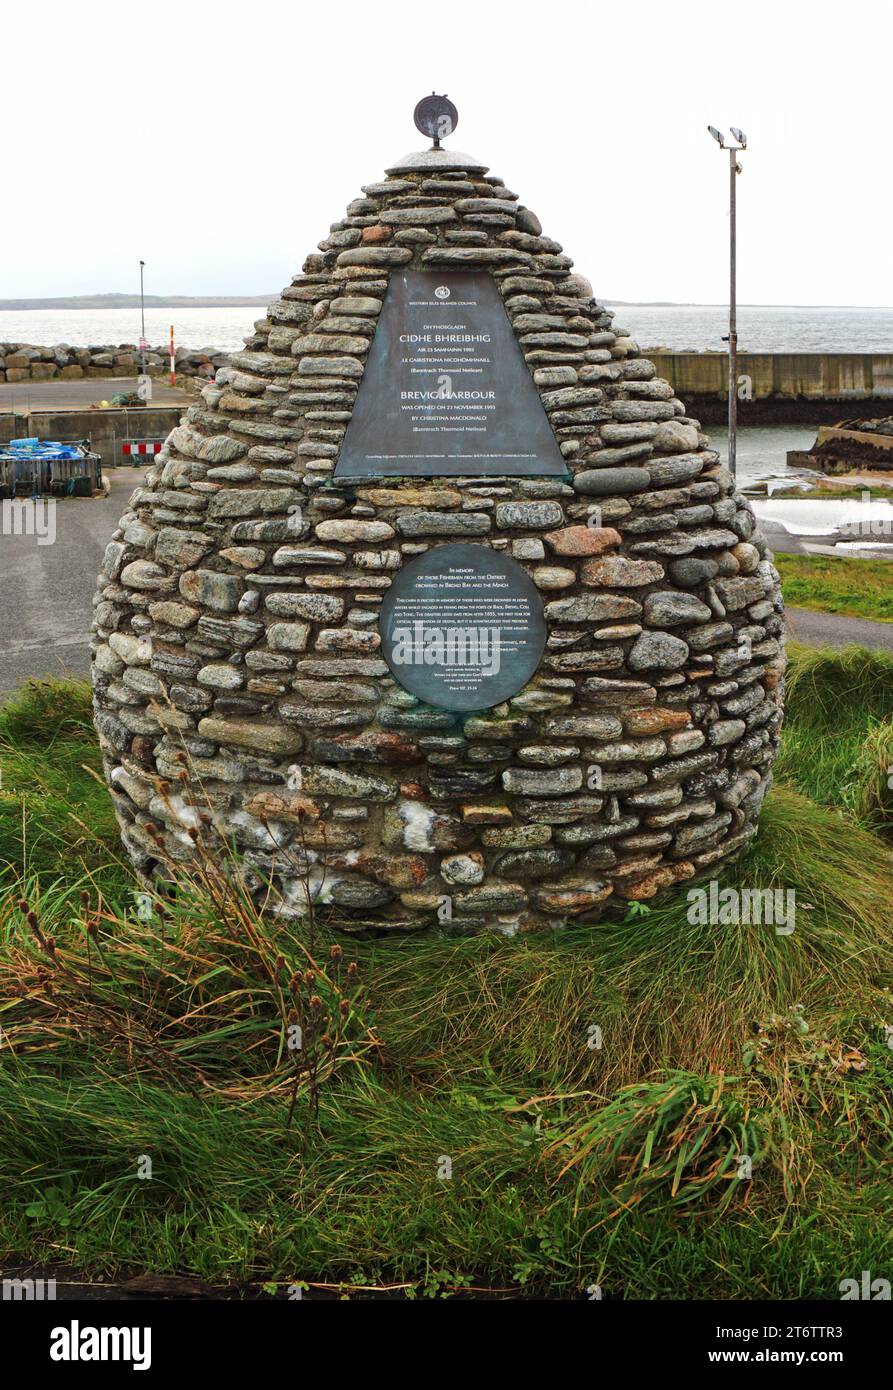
(437, 607)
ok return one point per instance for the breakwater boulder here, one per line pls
(275, 570)
(25, 362)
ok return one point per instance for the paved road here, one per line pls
(46, 591)
(75, 395)
(832, 630)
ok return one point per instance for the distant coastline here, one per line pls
(132, 301)
(114, 300)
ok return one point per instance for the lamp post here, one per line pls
(734, 170)
(142, 323)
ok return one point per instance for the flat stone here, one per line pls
(288, 637)
(288, 555)
(582, 726)
(533, 863)
(375, 256)
(443, 524)
(654, 720)
(462, 868)
(617, 572)
(552, 577)
(592, 608)
(725, 731)
(315, 607)
(212, 589)
(691, 571)
(143, 574)
(610, 482)
(582, 540)
(658, 651)
(252, 501)
(542, 782)
(265, 738)
(350, 531)
(671, 607)
(335, 781)
(528, 515)
(528, 548)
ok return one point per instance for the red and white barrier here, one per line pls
(141, 446)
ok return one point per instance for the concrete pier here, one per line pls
(781, 387)
(70, 410)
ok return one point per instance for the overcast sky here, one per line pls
(219, 141)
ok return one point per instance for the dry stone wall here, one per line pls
(238, 671)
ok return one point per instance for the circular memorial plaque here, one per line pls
(435, 116)
(462, 627)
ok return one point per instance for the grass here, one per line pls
(830, 584)
(838, 730)
(56, 817)
(831, 492)
(724, 1133)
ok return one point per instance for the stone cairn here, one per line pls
(236, 614)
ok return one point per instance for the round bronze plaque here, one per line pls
(462, 627)
(435, 116)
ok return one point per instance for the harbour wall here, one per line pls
(25, 362)
(781, 387)
(107, 430)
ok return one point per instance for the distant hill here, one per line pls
(132, 301)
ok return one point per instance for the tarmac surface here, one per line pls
(46, 592)
(75, 395)
(834, 630)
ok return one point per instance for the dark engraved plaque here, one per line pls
(462, 627)
(446, 391)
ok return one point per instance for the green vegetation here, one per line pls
(834, 492)
(837, 745)
(128, 1036)
(856, 588)
(56, 817)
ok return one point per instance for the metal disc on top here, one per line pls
(436, 117)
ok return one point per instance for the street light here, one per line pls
(734, 169)
(142, 323)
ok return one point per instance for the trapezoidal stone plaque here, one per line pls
(446, 391)
(246, 686)
(462, 627)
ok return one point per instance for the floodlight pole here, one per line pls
(733, 313)
(734, 171)
(142, 323)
